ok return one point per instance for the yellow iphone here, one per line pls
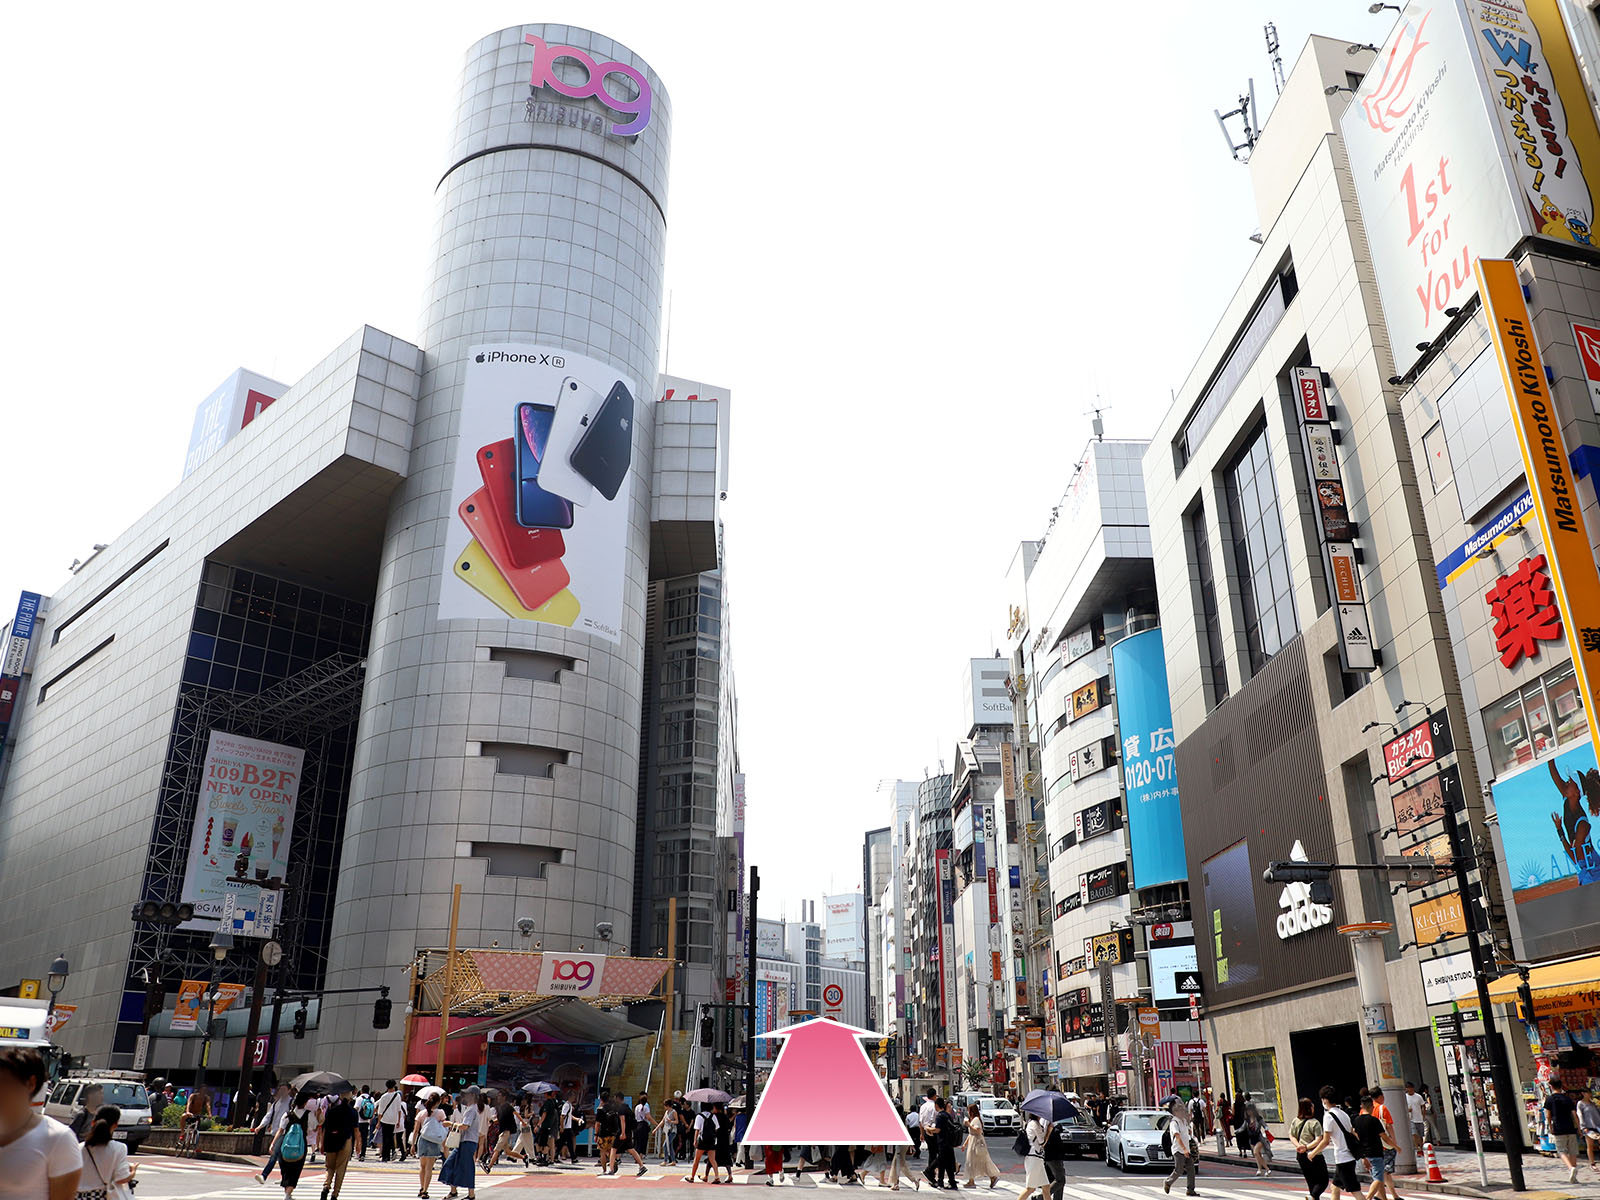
(475, 567)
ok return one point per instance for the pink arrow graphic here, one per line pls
(824, 1091)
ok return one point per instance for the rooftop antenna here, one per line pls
(1277, 59)
(1241, 151)
(666, 352)
(1097, 424)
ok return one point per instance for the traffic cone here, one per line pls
(1434, 1174)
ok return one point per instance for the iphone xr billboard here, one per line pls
(539, 504)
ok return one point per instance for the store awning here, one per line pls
(561, 1019)
(1554, 979)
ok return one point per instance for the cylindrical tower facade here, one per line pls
(499, 736)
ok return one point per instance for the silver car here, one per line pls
(1133, 1139)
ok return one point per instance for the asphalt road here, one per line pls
(162, 1178)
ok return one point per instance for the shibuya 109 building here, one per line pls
(404, 670)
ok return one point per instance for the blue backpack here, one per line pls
(293, 1148)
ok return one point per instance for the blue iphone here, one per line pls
(536, 508)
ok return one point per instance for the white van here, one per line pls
(125, 1089)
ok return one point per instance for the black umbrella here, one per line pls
(319, 1081)
(1048, 1106)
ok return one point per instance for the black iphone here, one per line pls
(605, 448)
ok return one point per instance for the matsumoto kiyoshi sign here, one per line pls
(630, 99)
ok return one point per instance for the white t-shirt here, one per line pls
(389, 1106)
(108, 1163)
(913, 1120)
(1336, 1125)
(47, 1151)
(568, 1118)
(928, 1113)
(641, 1113)
(1414, 1108)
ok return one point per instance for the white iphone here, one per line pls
(575, 408)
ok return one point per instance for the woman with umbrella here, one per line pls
(1044, 1109)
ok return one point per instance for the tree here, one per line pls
(976, 1074)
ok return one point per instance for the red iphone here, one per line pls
(511, 545)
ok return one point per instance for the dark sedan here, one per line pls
(1082, 1136)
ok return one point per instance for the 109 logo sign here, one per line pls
(594, 82)
(570, 975)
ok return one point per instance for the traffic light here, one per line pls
(708, 1030)
(155, 999)
(1525, 1008)
(380, 1011)
(1315, 873)
(162, 912)
(300, 1021)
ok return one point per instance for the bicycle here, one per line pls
(189, 1140)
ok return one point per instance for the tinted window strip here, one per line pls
(106, 591)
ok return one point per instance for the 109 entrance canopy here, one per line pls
(823, 1090)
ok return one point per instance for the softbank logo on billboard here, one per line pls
(594, 82)
(1391, 99)
(571, 974)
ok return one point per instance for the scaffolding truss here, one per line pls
(315, 709)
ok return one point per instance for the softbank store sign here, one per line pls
(1470, 130)
(621, 88)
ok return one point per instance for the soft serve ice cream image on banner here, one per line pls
(542, 488)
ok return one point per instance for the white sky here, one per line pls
(915, 255)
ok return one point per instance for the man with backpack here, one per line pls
(366, 1110)
(1339, 1139)
(607, 1125)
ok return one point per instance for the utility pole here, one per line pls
(672, 984)
(750, 997)
(449, 983)
(1510, 1102)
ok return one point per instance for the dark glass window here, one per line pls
(1260, 556)
(1213, 665)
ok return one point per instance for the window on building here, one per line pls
(1535, 721)
(1260, 555)
(1213, 666)
(1256, 1072)
(1342, 684)
(1236, 363)
(681, 868)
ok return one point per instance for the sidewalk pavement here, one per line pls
(1545, 1177)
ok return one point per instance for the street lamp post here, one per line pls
(55, 981)
(221, 943)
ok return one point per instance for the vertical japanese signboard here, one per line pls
(1334, 530)
(947, 940)
(16, 657)
(1149, 765)
(1569, 559)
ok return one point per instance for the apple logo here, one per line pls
(624, 422)
(480, 357)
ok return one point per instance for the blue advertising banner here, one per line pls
(1545, 814)
(1149, 765)
(16, 657)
